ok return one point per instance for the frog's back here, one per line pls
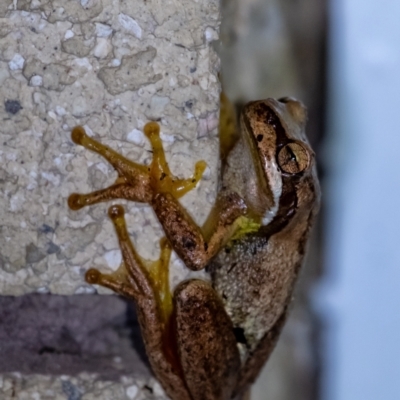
(255, 277)
(255, 284)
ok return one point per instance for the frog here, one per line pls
(209, 340)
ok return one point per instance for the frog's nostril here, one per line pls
(284, 100)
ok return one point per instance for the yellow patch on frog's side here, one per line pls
(244, 226)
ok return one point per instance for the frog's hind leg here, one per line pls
(149, 288)
(206, 342)
(133, 182)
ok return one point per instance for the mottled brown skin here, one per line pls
(190, 343)
(191, 347)
(195, 245)
(255, 276)
(207, 345)
(253, 244)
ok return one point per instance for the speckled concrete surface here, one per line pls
(110, 66)
(82, 387)
(47, 352)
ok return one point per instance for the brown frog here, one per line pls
(210, 341)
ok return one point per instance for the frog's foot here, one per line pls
(117, 281)
(137, 278)
(131, 279)
(162, 180)
(135, 182)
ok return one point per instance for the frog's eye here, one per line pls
(293, 158)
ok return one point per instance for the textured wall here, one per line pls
(110, 66)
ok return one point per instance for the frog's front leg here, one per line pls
(135, 182)
(189, 340)
(197, 245)
(156, 185)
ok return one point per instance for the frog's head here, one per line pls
(274, 133)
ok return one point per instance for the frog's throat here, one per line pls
(267, 171)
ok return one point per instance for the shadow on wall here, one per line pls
(45, 334)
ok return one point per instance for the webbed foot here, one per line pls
(135, 182)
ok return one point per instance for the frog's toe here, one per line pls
(77, 134)
(116, 211)
(93, 276)
(76, 201)
(151, 128)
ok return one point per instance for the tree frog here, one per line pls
(210, 340)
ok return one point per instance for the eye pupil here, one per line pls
(293, 158)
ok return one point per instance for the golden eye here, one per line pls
(293, 158)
